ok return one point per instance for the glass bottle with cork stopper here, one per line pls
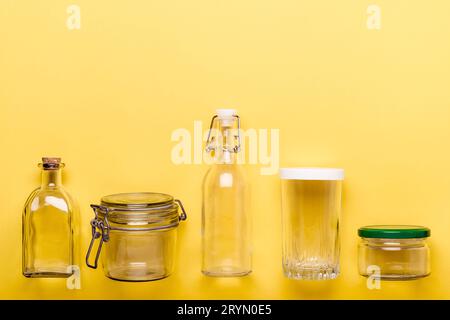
(48, 226)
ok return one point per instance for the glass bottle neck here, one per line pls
(51, 178)
(226, 157)
(225, 150)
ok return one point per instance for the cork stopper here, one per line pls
(49, 163)
(51, 160)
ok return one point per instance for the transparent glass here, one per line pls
(139, 255)
(310, 226)
(137, 235)
(226, 220)
(394, 259)
(48, 228)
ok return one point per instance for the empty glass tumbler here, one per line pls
(311, 206)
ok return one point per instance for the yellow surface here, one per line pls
(107, 97)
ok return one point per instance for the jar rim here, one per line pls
(394, 232)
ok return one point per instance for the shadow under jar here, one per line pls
(137, 235)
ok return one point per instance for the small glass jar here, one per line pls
(394, 252)
(138, 233)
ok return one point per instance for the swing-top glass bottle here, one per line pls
(226, 221)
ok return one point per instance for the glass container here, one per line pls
(394, 252)
(49, 226)
(137, 235)
(226, 220)
(311, 207)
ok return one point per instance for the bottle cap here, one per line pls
(311, 174)
(226, 116)
(394, 232)
(51, 163)
(51, 160)
(226, 113)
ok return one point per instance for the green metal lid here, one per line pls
(394, 232)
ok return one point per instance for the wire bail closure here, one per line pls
(103, 233)
(209, 141)
(183, 215)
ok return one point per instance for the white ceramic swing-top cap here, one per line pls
(226, 113)
(311, 174)
(226, 116)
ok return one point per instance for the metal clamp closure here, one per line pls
(100, 229)
(183, 215)
(209, 141)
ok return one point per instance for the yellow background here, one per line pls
(107, 97)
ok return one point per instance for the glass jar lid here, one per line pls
(394, 232)
(137, 200)
(140, 209)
